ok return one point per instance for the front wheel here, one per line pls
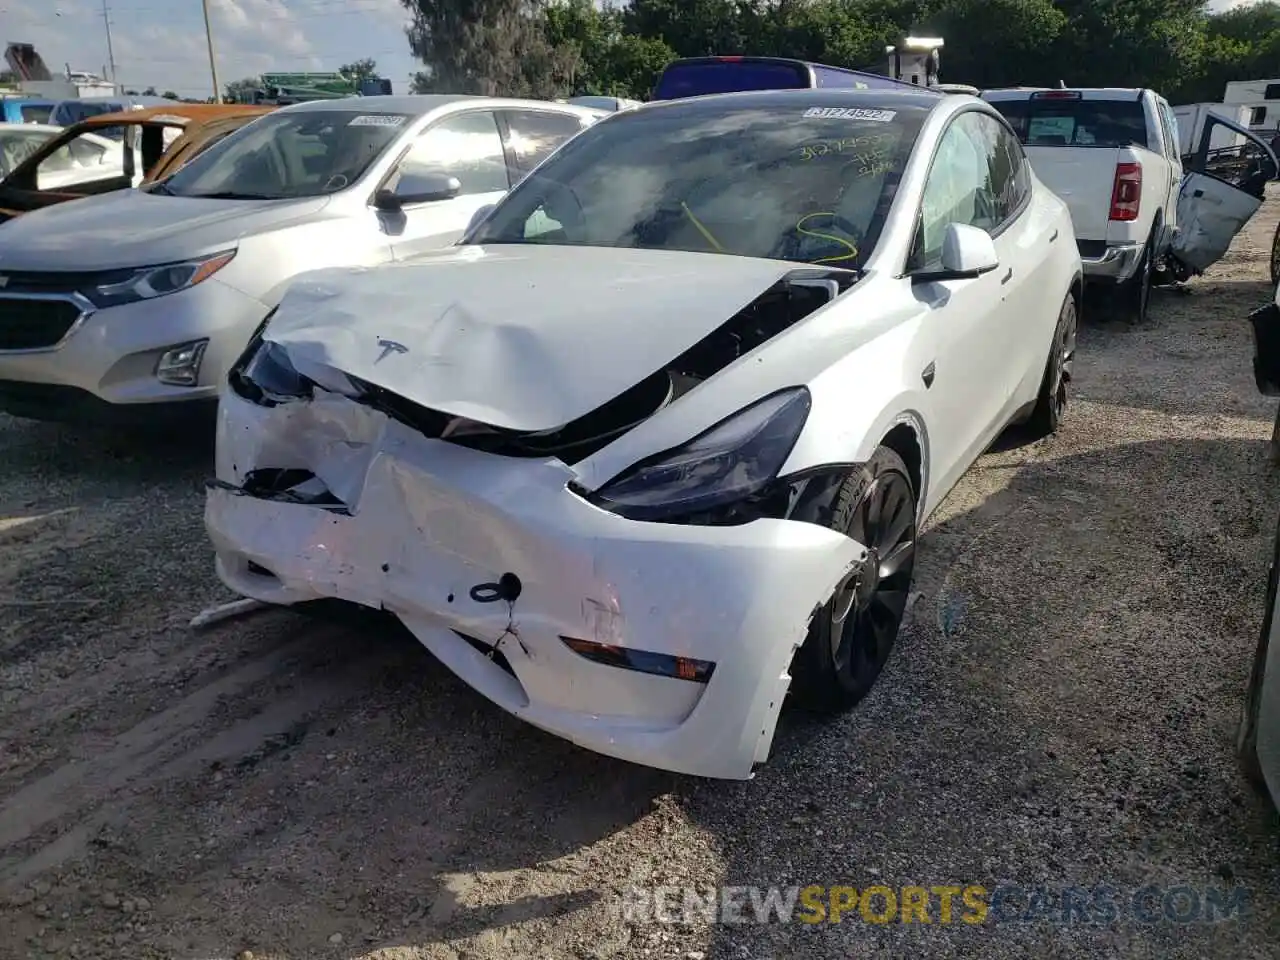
(850, 637)
(1275, 257)
(1051, 404)
(1247, 729)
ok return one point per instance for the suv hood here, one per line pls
(519, 337)
(132, 228)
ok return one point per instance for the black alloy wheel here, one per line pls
(1275, 257)
(1051, 405)
(852, 635)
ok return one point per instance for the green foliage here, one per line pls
(359, 71)
(555, 48)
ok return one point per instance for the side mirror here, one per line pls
(967, 252)
(418, 188)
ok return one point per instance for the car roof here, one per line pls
(49, 128)
(194, 113)
(921, 99)
(420, 104)
(1087, 93)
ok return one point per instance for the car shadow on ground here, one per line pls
(1059, 710)
(122, 458)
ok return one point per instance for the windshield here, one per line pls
(1076, 123)
(795, 183)
(309, 153)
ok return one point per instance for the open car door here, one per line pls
(74, 164)
(1222, 187)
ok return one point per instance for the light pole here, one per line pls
(111, 57)
(213, 60)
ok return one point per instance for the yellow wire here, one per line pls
(701, 229)
(853, 250)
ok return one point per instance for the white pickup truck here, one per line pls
(1112, 154)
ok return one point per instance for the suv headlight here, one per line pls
(735, 459)
(147, 283)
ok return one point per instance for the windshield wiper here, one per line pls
(228, 195)
(160, 189)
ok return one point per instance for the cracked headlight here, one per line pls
(264, 375)
(147, 283)
(735, 459)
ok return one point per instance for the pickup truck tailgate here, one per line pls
(1084, 178)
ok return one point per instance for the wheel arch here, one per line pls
(908, 437)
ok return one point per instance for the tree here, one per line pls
(170, 95)
(238, 90)
(488, 47)
(359, 71)
(1004, 41)
(548, 48)
(150, 92)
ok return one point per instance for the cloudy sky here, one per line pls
(161, 43)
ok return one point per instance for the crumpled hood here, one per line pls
(131, 228)
(520, 337)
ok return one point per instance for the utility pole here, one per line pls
(213, 60)
(106, 22)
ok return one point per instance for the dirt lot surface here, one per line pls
(1059, 711)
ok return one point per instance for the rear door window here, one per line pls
(1077, 123)
(533, 135)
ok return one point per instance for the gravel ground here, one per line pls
(1059, 711)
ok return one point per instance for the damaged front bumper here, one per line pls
(663, 644)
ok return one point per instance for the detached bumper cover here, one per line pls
(423, 526)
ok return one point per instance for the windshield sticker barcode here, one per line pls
(376, 120)
(851, 113)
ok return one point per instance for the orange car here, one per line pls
(162, 140)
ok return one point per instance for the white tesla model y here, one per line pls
(648, 451)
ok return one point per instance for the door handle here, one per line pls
(927, 375)
(1054, 237)
(1007, 277)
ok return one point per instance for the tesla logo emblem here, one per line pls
(390, 346)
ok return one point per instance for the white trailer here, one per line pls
(1191, 118)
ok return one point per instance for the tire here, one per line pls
(852, 634)
(1135, 293)
(1051, 404)
(1247, 729)
(1275, 257)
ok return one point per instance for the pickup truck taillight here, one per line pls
(1126, 195)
